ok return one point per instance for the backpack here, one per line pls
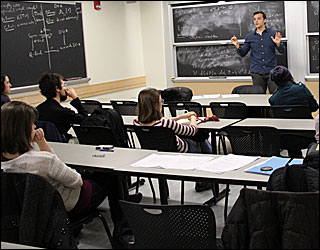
(312, 156)
(176, 94)
(109, 118)
(294, 178)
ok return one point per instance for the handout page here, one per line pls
(186, 121)
(227, 163)
(230, 96)
(182, 162)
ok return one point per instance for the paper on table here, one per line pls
(172, 161)
(186, 121)
(211, 96)
(227, 163)
(230, 96)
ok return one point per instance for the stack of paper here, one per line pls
(172, 161)
(227, 163)
(184, 162)
(230, 96)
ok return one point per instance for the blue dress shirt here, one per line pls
(263, 57)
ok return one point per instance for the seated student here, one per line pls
(149, 114)
(291, 93)
(5, 89)
(79, 195)
(52, 87)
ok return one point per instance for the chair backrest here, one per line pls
(51, 132)
(125, 107)
(232, 110)
(156, 138)
(171, 226)
(33, 212)
(289, 111)
(248, 89)
(263, 141)
(90, 105)
(92, 135)
(185, 105)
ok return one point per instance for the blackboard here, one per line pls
(215, 60)
(40, 37)
(314, 54)
(313, 16)
(221, 22)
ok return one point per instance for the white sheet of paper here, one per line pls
(227, 163)
(211, 96)
(230, 96)
(172, 161)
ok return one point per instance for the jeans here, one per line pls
(203, 147)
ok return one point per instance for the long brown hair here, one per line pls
(17, 119)
(148, 106)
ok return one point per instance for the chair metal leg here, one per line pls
(217, 196)
(152, 190)
(226, 202)
(182, 192)
(106, 227)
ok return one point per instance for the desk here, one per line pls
(7, 245)
(120, 160)
(211, 126)
(281, 124)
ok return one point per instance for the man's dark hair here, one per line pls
(48, 83)
(260, 12)
(3, 76)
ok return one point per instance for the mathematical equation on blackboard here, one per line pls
(44, 40)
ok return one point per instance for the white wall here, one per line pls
(113, 41)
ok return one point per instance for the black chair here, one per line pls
(33, 213)
(125, 107)
(51, 132)
(171, 226)
(186, 105)
(289, 111)
(255, 141)
(93, 135)
(90, 105)
(161, 139)
(248, 89)
(228, 110)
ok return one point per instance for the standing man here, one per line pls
(262, 43)
(52, 87)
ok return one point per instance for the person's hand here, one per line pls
(71, 92)
(277, 38)
(235, 41)
(188, 115)
(39, 136)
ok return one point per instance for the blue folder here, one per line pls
(275, 163)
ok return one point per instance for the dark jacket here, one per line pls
(62, 117)
(290, 93)
(273, 220)
(33, 212)
(4, 99)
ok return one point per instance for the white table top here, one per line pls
(249, 100)
(281, 124)
(121, 159)
(7, 245)
(128, 121)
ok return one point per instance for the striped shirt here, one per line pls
(178, 129)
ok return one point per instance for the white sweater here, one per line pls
(67, 181)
